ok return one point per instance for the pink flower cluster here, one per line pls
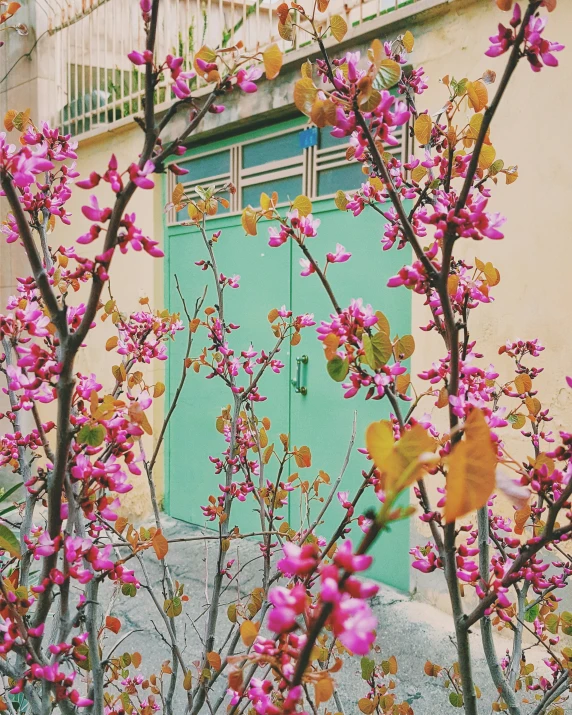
(351, 618)
(537, 50)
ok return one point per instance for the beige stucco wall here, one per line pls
(535, 292)
(134, 275)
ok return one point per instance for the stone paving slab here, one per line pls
(409, 629)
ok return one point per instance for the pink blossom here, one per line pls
(354, 624)
(346, 559)
(94, 213)
(141, 58)
(245, 79)
(340, 256)
(140, 176)
(307, 267)
(287, 604)
(298, 560)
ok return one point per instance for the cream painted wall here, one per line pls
(535, 292)
(133, 276)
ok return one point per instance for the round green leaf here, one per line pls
(377, 349)
(388, 75)
(338, 368)
(9, 542)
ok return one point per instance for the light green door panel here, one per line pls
(192, 437)
(323, 418)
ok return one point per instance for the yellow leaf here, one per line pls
(422, 129)
(286, 29)
(533, 405)
(268, 453)
(159, 389)
(523, 383)
(340, 200)
(404, 347)
(304, 95)
(366, 705)
(248, 632)
(323, 112)
(511, 174)
(402, 383)
(272, 58)
(478, 95)
(369, 99)
(382, 322)
(408, 41)
(519, 422)
(487, 156)
(471, 474)
(188, 680)
(9, 119)
(111, 343)
(249, 221)
(376, 53)
(21, 120)
(452, 284)
(418, 173)
(195, 214)
(303, 204)
(398, 461)
(339, 27)
(331, 344)
(177, 194)
(520, 518)
(119, 372)
(306, 69)
(388, 74)
(323, 690)
(492, 274)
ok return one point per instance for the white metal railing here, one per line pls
(96, 84)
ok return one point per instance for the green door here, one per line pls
(192, 436)
(270, 277)
(322, 417)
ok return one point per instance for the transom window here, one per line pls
(291, 160)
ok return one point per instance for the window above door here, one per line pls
(290, 158)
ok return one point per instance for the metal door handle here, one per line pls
(297, 383)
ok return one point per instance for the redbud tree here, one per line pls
(287, 640)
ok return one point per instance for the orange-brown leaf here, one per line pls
(214, 660)
(160, 544)
(113, 624)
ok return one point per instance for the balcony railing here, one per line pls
(98, 87)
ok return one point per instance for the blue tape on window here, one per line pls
(308, 137)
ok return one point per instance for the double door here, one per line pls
(318, 415)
